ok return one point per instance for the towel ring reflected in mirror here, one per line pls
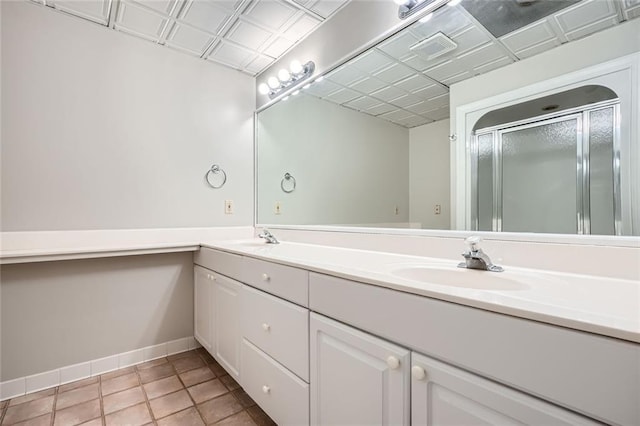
(212, 172)
(288, 178)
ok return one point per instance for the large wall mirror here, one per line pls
(371, 143)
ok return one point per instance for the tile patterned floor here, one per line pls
(185, 389)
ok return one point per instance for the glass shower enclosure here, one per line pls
(556, 173)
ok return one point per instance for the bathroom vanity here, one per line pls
(326, 335)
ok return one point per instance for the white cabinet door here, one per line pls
(203, 304)
(356, 379)
(445, 395)
(226, 320)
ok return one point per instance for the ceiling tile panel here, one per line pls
(206, 15)
(405, 100)
(343, 95)
(414, 83)
(413, 121)
(529, 36)
(448, 20)
(585, 13)
(363, 103)
(498, 63)
(323, 88)
(631, 8)
(271, 13)
(430, 92)
(398, 46)
(395, 72)
(302, 25)
(259, 63)
(453, 79)
(592, 28)
(368, 85)
(438, 114)
(163, 6)
(468, 39)
(325, 8)
(139, 21)
(345, 75)
(371, 61)
(232, 55)
(488, 53)
(388, 93)
(189, 39)
(396, 115)
(248, 35)
(381, 109)
(277, 47)
(94, 10)
(538, 48)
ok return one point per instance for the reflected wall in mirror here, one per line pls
(369, 144)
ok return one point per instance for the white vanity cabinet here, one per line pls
(356, 378)
(203, 307)
(444, 395)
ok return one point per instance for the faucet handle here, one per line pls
(473, 242)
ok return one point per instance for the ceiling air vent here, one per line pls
(434, 46)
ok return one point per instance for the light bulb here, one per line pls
(454, 2)
(263, 88)
(426, 18)
(295, 93)
(273, 82)
(296, 66)
(284, 75)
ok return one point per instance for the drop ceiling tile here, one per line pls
(585, 13)
(538, 48)
(345, 75)
(371, 61)
(368, 85)
(343, 95)
(395, 72)
(488, 53)
(93, 10)
(420, 107)
(405, 100)
(302, 25)
(418, 63)
(363, 103)
(190, 39)
(430, 105)
(490, 66)
(380, 109)
(456, 78)
(323, 88)
(388, 93)
(270, 14)
(398, 45)
(438, 114)
(139, 21)
(414, 83)
(631, 8)
(430, 92)
(206, 15)
(468, 39)
(592, 28)
(449, 20)
(277, 47)
(325, 8)
(248, 35)
(396, 115)
(529, 36)
(414, 121)
(258, 64)
(163, 6)
(230, 54)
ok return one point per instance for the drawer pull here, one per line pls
(265, 277)
(393, 362)
(266, 389)
(266, 327)
(418, 373)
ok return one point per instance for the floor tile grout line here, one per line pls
(103, 418)
(53, 408)
(146, 397)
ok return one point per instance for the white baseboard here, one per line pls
(71, 373)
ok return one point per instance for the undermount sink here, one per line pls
(459, 277)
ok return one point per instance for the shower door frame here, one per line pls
(582, 116)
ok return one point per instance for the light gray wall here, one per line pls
(429, 175)
(103, 130)
(56, 314)
(350, 168)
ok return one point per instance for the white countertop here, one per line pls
(605, 306)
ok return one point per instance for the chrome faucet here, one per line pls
(268, 236)
(475, 258)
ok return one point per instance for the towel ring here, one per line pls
(288, 177)
(214, 170)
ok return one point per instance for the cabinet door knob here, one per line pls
(418, 372)
(266, 389)
(393, 362)
(266, 327)
(265, 277)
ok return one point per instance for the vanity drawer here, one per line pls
(279, 328)
(225, 263)
(282, 395)
(284, 281)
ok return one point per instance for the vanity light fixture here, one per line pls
(286, 79)
(407, 8)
